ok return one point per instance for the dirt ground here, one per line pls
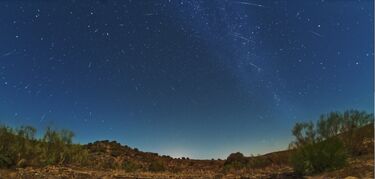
(362, 167)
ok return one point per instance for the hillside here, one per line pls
(106, 159)
(109, 159)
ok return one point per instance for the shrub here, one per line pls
(7, 147)
(323, 156)
(351, 136)
(5, 161)
(236, 160)
(345, 125)
(304, 133)
(18, 147)
(76, 154)
(325, 146)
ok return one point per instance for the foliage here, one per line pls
(314, 158)
(18, 147)
(5, 161)
(304, 133)
(325, 145)
(317, 147)
(236, 161)
(352, 138)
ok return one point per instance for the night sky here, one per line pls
(189, 78)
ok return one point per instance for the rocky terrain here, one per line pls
(29, 158)
(107, 160)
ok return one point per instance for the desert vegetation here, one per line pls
(20, 148)
(327, 145)
(318, 147)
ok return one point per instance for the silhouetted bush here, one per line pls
(236, 161)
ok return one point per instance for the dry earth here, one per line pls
(362, 167)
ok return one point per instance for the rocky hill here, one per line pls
(109, 155)
(109, 159)
(112, 160)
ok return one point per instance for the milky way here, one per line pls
(187, 78)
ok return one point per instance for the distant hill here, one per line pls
(106, 154)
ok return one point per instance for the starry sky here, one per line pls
(191, 78)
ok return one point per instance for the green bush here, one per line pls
(325, 146)
(5, 161)
(76, 154)
(351, 136)
(346, 125)
(18, 147)
(319, 157)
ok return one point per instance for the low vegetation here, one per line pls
(20, 148)
(323, 146)
(326, 145)
(236, 161)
